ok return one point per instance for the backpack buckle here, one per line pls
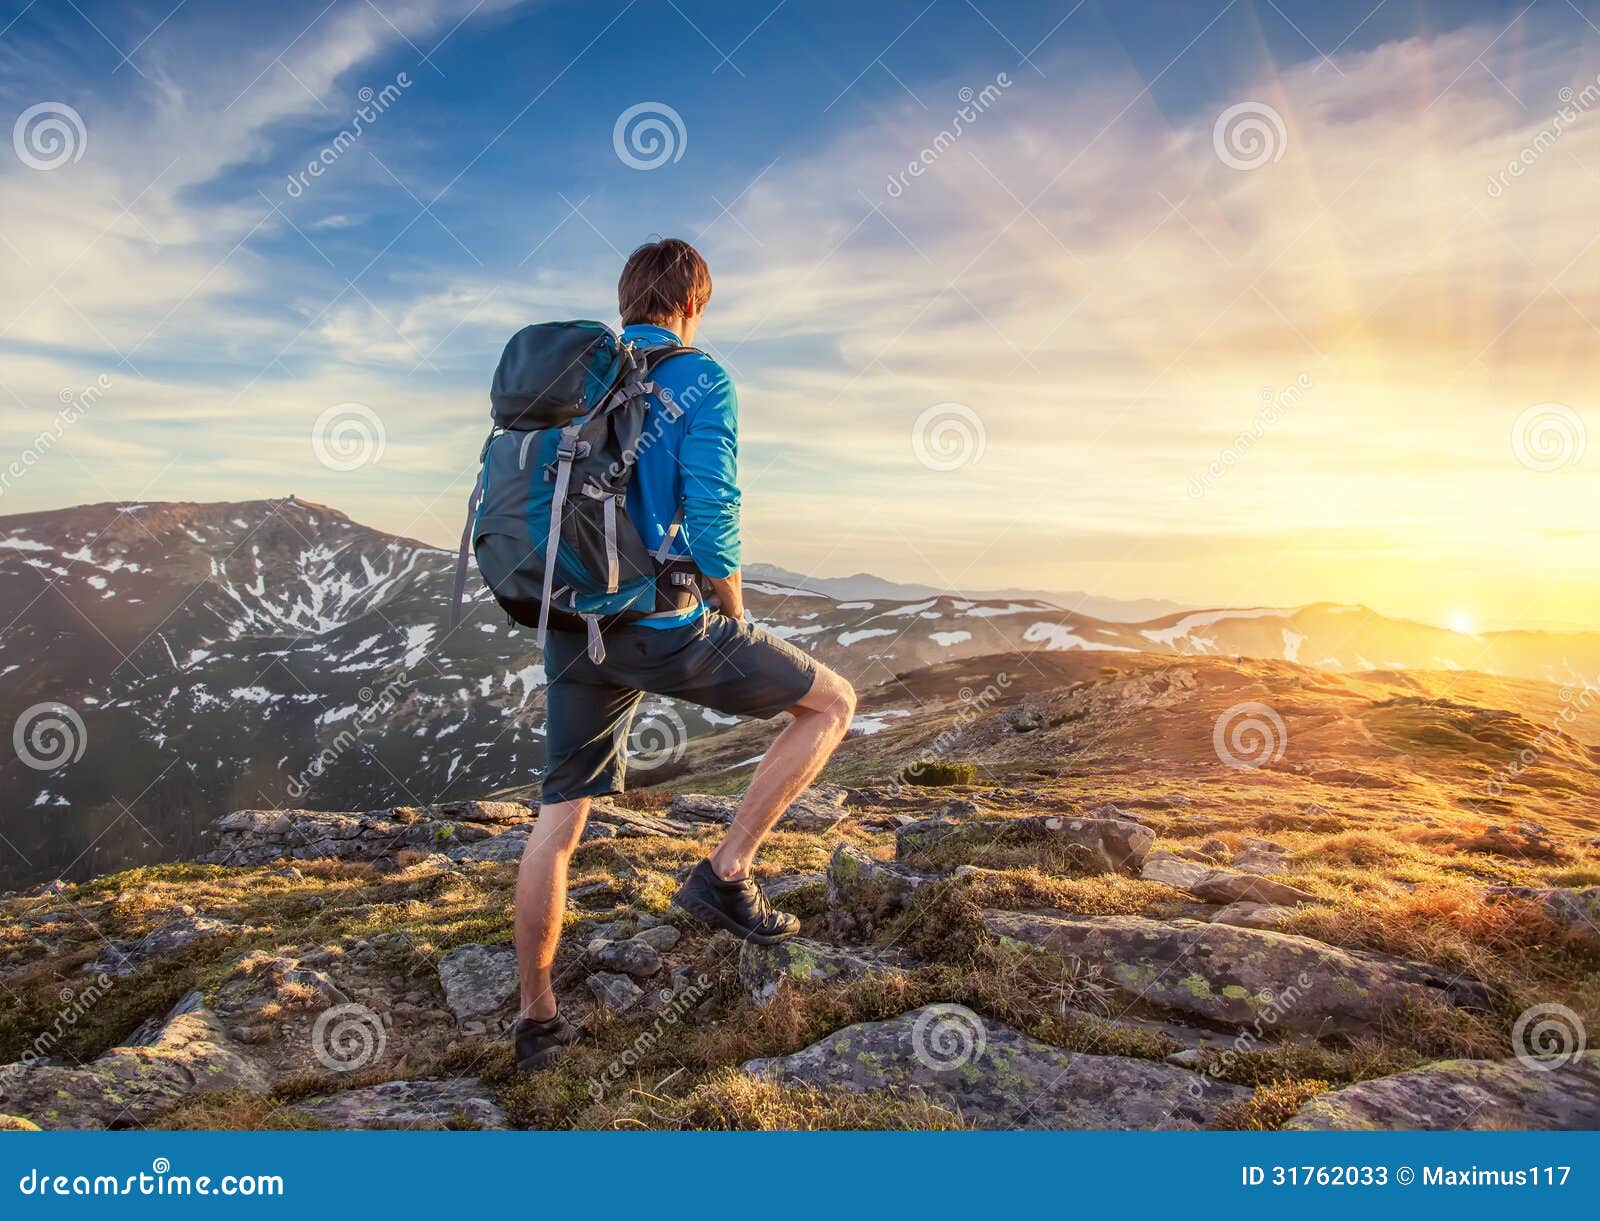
(572, 450)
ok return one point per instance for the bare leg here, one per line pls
(820, 720)
(542, 900)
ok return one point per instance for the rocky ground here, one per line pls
(1110, 929)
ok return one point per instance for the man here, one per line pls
(686, 464)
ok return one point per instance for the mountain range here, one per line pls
(163, 663)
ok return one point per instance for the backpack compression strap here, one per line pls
(459, 588)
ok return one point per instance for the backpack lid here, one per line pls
(553, 372)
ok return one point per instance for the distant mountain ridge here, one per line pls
(865, 585)
(212, 657)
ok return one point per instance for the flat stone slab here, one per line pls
(820, 808)
(1219, 885)
(478, 979)
(1238, 976)
(763, 967)
(1099, 845)
(1556, 1094)
(423, 1106)
(995, 1077)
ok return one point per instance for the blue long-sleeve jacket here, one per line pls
(689, 457)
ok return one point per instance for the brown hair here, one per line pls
(660, 280)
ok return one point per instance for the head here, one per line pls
(665, 283)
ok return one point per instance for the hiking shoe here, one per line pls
(540, 1044)
(739, 907)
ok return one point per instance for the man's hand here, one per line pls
(730, 594)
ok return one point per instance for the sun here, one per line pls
(1463, 622)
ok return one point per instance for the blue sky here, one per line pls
(1106, 299)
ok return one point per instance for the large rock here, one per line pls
(1173, 871)
(478, 979)
(507, 846)
(865, 893)
(635, 824)
(995, 1077)
(1469, 1095)
(190, 1054)
(1216, 885)
(426, 1106)
(1252, 915)
(820, 808)
(1239, 976)
(1097, 845)
(125, 957)
(259, 837)
(1226, 886)
(763, 967)
(635, 956)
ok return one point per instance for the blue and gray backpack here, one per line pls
(548, 518)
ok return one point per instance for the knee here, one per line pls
(839, 700)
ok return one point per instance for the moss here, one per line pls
(930, 773)
(1269, 1108)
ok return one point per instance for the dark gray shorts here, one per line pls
(730, 667)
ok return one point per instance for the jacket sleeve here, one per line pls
(710, 459)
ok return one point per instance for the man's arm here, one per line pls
(709, 457)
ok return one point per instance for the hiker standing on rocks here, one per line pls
(683, 501)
